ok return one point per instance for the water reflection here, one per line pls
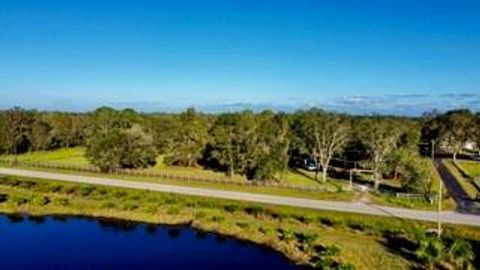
(80, 243)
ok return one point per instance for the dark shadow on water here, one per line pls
(117, 225)
(15, 218)
(37, 219)
(201, 234)
(151, 229)
(220, 238)
(59, 218)
(174, 232)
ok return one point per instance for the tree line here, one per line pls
(259, 146)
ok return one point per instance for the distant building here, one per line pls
(470, 145)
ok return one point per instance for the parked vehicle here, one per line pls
(310, 166)
(476, 157)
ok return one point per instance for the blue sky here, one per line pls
(360, 56)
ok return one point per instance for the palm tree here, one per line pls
(461, 255)
(431, 251)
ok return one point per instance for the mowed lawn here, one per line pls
(471, 167)
(467, 184)
(76, 157)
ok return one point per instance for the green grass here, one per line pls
(389, 200)
(472, 168)
(63, 156)
(365, 241)
(467, 184)
(338, 188)
(338, 195)
(76, 157)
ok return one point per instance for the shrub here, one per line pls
(129, 206)
(305, 219)
(254, 210)
(20, 200)
(41, 200)
(54, 188)
(243, 225)
(9, 182)
(265, 230)
(62, 201)
(325, 221)
(135, 196)
(84, 191)
(120, 193)
(286, 235)
(152, 199)
(102, 191)
(27, 184)
(70, 189)
(107, 205)
(218, 219)
(278, 215)
(231, 208)
(331, 222)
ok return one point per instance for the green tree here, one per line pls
(271, 151)
(451, 130)
(163, 128)
(188, 144)
(415, 171)
(380, 135)
(40, 134)
(18, 130)
(117, 140)
(233, 137)
(322, 134)
(460, 129)
(67, 129)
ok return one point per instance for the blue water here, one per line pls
(79, 243)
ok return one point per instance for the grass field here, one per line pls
(472, 168)
(467, 184)
(368, 242)
(76, 157)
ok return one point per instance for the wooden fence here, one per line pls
(165, 175)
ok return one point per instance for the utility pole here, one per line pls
(439, 197)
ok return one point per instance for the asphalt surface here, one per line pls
(349, 207)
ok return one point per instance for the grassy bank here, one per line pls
(472, 168)
(368, 242)
(467, 184)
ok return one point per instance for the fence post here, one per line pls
(351, 180)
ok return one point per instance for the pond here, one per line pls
(81, 243)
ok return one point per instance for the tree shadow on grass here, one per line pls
(302, 173)
(399, 245)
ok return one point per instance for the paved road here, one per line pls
(461, 197)
(350, 207)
